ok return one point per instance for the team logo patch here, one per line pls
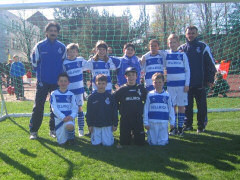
(179, 57)
(139, 92)
(107, 66)
(133, 62)
(40, 84)
(198, 49)
(68, 99)
(60, 51)
(165, 100)
(107, 101)
(160, 60)
(79, 64)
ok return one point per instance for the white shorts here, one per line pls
(102, 135)
(79, 99)
(61, 132)
(158, 133)
(179, 97)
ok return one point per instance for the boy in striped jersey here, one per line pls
(64, 107)
(178, 78)
(152, 62)
(100, 63)
(74, 67)
(158, 110)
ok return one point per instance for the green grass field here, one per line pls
(214, 154)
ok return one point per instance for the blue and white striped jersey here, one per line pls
(158, 108)
(178, 72)
(74, 69)
(152, 65)
(63, 104)
(101, 67)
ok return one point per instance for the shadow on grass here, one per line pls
(19, 166)
(44, 142)
(216, 149)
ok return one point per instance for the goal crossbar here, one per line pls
(95, 3)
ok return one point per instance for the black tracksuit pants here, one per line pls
(37, 115)
(128, 124)
(201, 100)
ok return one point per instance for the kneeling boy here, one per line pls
(65, 109)
(102, 116)
(158, 110)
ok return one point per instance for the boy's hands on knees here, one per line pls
(90, 129)
(186, 88)
(114, 128)
(147, 127)
(68, 118)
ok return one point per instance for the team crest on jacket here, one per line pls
(107, 66)
(198, 49)
(107, 101)
(60, 51)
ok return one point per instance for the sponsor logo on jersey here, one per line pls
(132, 98)
(107, 101)
(94, 102)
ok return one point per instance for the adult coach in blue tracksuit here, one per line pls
(47, 60)
(202, 72)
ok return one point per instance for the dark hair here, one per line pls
(52, 24)
(157, 76)
(127, 45)
(191, 28)
(101, 44)
(64, 74)
(154, 41)
(101, 77)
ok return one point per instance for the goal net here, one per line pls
(117, 22)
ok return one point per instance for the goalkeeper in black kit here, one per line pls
(130, 99)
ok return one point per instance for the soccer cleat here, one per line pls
(52, 134)
(81, 133)
(180, 131)
(188, 128)
(200, 131)
(173, 132)
(33, 135)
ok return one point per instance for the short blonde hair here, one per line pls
(157, 76)
(173, 36)
(73, 46)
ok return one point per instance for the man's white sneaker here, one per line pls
(52, 134)
(81, 133)
(33, 135)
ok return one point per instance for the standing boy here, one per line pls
(64, 107)
(152, 62)
(178, 77)
(102, 116)
(74, 67)
(129, 59)
(158, 110)
(130, 99)
(17, 70)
